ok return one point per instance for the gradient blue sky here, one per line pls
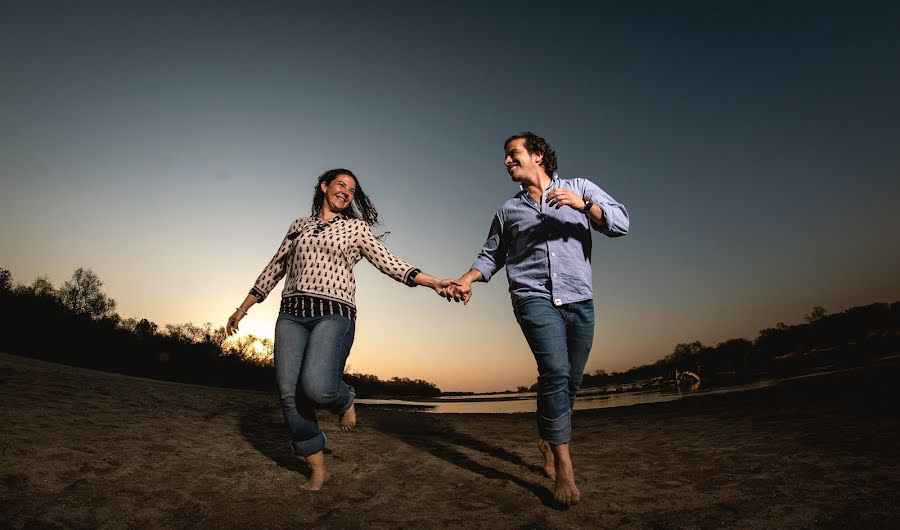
(168, 148)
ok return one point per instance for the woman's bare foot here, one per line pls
(549, 466)
(319, 476)
(564, 489)
(348, 419)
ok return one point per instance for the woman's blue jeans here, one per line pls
(560, 339)
(310, 354)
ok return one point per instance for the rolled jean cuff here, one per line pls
(309, 447)
(352, 400)
(556, 431)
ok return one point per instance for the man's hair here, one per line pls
(536, 144)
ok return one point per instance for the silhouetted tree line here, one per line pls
(843, 339)
(369, 385)
(77, 324)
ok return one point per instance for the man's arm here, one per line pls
(605, 214)
(491, 258)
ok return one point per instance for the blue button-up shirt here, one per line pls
(547, 251)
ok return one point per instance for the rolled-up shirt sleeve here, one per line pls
(379, 256)
(275, 270)
(615, 215)
(492, 256)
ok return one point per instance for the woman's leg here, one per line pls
(291, 343)
(326, 354)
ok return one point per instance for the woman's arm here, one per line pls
(239, 313)
(439, 286)
(379, 256)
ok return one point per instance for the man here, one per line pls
(543, 237)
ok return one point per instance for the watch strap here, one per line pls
(588, 204)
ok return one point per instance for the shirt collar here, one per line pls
(317, 219)
(554, 179)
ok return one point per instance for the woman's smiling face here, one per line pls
(339, 193)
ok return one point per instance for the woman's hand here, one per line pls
(239, 312)
(440, 287)
(232, 326)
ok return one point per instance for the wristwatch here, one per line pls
(588, 204)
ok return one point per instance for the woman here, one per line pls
(316, 322)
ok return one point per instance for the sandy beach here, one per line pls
(82, 448)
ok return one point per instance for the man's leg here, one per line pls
(579, 318)
(545, 330)
(580, 338)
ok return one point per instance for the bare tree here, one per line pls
(83, 295)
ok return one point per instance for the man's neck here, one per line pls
(536, 186)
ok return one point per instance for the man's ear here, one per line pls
(538, 157)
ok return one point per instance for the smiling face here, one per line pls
(339, 193)
(521, 165)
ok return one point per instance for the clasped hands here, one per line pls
(457, 290)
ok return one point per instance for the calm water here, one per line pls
(525, 402)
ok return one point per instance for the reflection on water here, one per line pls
(589, 398)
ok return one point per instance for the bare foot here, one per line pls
(348, 419)
(549, 467)
(319, 476)
(564, 489)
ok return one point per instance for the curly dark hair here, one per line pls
(536, 144)
(360, 208)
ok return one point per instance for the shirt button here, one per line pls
(553, 253)
(557, 301)
(554, 275)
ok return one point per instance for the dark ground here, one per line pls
(88, 449)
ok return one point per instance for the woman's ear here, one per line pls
(323, 186)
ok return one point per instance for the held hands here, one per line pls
(565, 197)
(460, 291)
(453, 290)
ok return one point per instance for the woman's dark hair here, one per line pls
(360, 208)
(536, 144)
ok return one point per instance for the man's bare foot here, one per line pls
(564, 489)
(348, 419)
(319, 475)
(549, 466)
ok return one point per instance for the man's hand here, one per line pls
(460, 291)
(565, 197)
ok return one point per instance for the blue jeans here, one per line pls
(310, 354)
(560, 339)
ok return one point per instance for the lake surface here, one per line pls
(590, 398)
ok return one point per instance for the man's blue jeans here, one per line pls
(560, 339)
(310, 354)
